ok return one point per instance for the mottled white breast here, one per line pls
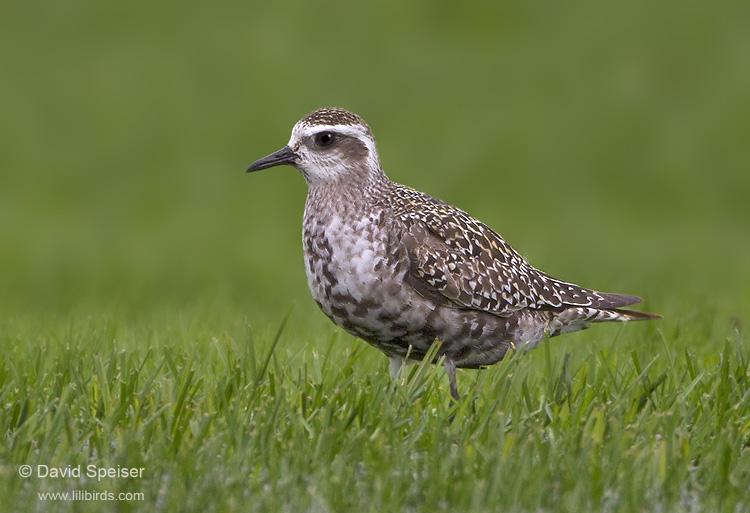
(353, 257)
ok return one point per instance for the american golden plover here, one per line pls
(401, 269)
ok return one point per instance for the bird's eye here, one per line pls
(324, 139)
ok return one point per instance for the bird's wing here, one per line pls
(460, 262)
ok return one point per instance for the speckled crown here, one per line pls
(332, 116)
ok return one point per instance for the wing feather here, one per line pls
(461, 262)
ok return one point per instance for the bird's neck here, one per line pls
(350, 188)
(346, 200)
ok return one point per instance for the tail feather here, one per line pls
(610, 301)
(631, 315)
(570, 294)
(580, 318)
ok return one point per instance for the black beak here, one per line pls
(284, 157)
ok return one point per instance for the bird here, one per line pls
(402, 270)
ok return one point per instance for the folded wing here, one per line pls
(460, 262)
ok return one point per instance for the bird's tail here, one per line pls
(580, 318)
(622, 315)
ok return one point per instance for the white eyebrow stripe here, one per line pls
(301, 131)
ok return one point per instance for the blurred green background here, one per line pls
(606, 141)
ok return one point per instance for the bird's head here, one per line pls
(328, 146)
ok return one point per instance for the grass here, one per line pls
(145, 279)
(638, 421)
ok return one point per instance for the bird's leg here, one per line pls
(450, 368)
(396, 363)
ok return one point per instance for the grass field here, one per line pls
(224, 417)
(154, 312)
